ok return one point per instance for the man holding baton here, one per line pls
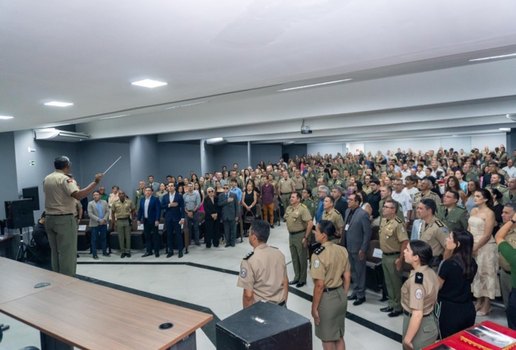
(61, 192)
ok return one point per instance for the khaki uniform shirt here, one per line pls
(392, 234)
(299, 183)
(329, 262)
(123, 210)
(420, 293)
(435, 234)
(511, 239)
(58, 190)
(297, 218)
(430, 194)
(263, 271)
(286, 186)
(335, 217)
(456, 220)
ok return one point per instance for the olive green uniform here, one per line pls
(311, 180)
(505, 269)
(430, 194)
(285, 189)
(263, 271)
(60, 223)
(392, 234)
(329, 263)
(297, 219)
(504, 190)
(310, 204)
(138, 194)
(419, 292)
(336, 182)
(456, 218)
(122, 212)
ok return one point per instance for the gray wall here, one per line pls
(144, 158)
(97, 156)
(178, 158)
(293, 151)
(228, 154)
(266, 152)
(8, 178)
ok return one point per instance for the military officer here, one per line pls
(432, 230)
(418, 297)
(285, 188)
(299, 225)
(393, 241)
(331, 214)
(61, 194)
(454, 217)
(299, 181)
(122, 211)
(505, 268)
(308, 201)
(425, 186)
(331, 272)
(504, 190)
(263, 272)
(335, 179)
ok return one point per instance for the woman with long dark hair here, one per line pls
(456, 309)
(481, 224)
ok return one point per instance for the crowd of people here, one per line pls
(436, 215)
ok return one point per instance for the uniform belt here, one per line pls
(59, 214)
(286, 193)
(122, 218)
(283, 303)
(410, 314)
(295, 233)
(395, 253)
(330, 289)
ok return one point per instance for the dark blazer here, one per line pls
(154, 209)
(210, 207)
(229, 209)
(341, 205)
(358, 234)
(173, 213)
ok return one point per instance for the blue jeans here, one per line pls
(100, 230)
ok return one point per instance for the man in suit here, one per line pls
(357, 234)
(174, 207)
(99, 212)
(229, 204)
(148, 214)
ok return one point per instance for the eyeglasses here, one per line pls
(388, 207)
(210, 191)
(226, 188)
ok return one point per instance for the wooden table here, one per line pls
(90, 316)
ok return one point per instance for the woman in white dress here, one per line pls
(481, 223)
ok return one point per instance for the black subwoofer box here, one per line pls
(264, 326)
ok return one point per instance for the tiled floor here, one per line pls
(216, 289)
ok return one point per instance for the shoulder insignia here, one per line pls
(304, 205)
(439, 223)
(250, 254)
(419, 278)
(398, 220)
(319, 250)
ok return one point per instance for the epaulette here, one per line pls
(250, 254)
(439, 223)
(303, 205)
(419, 278)
(398, 220)
(335, 210)
(319, 250)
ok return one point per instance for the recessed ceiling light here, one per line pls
(493, 57)
(58, 104)
(6, 117)
(149, 83)
(504, 129)
(315, 85)
(214, 140)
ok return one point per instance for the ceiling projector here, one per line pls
(305, 130)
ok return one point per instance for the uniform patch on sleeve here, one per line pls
(317, 263)
(243, 272)
(419, 294)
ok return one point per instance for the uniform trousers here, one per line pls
(427, 333)
(62, 238)
(505, 286)
(268, 213)
(358, 275)
(392, 278)
(174, 238)
(230, 231)
(151, 236)
(285, 202)
(511, 310)
(123, 228)
(299, 256)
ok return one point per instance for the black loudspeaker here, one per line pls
(33, 194)
(19, 213)
(264, 326)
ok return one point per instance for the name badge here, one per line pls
(346, 227)
(377, 253)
